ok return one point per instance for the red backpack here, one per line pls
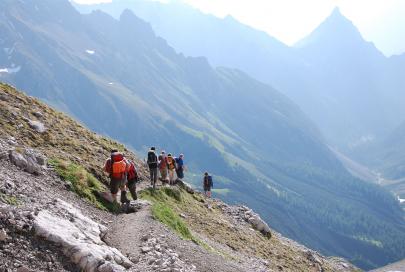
(132, 174)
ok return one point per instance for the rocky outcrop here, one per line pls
(80, 238)
(37, 126)
(243, 213)
(30, 160)
(184, 185)
(27, 159)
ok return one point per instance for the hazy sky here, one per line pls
(379, 21)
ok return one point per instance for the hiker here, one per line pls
(116, 167)
(171, 166)
(163, 167)
(153, 166)
(180, 166)
(208, 184)
(132, 178)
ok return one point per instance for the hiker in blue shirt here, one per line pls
(180, 166)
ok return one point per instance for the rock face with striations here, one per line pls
(80, 237)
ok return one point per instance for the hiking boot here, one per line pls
(124, 198)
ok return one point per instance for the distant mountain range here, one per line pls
(120, 79)
(350, 89)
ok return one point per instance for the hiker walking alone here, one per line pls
(116, 167)
(208, 184)
(153, 166)
(180, 166)
(163, 167)
(171, 166)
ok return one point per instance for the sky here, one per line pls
(380, 21)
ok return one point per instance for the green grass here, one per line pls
(161, 210)
(83, 183)
(10, 200)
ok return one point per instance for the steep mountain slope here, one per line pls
(76, 235)
(388, 158)
(119, 79)
(341, 81)
(355, 84)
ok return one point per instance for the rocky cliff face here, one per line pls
(52, 217)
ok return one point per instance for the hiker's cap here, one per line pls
(163, 152)
(114, 150)
(181, 155)
(206, 174)
(153, 148)
(169, 155)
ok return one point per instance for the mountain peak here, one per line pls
(336, 12)
(335, 29)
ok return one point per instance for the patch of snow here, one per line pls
(90, 52)
(401, 200)
(11, 70)
(110, 83)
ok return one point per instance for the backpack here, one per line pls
(152, 159)
(208, 182)
(171, 163)
(163, 162)
(118, 166)
(132, 174)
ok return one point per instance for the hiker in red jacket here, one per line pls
(117, 168)
(132, 178)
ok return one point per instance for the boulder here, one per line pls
(18, 159)
(3, 235)
(256, 222)
(25, 161)
(37, 126)
(39, 158)
(80, 239)
(185, 186)
(37, 114)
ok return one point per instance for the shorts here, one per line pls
(207, 189)
(115, 185)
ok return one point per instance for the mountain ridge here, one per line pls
(361, 75)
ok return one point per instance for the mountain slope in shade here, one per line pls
(353, 82)
(120, 79)
(341, 81)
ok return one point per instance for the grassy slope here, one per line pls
(200, 221)
(64, 139)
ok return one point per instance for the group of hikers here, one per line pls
(123, 173)
(166, 165)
